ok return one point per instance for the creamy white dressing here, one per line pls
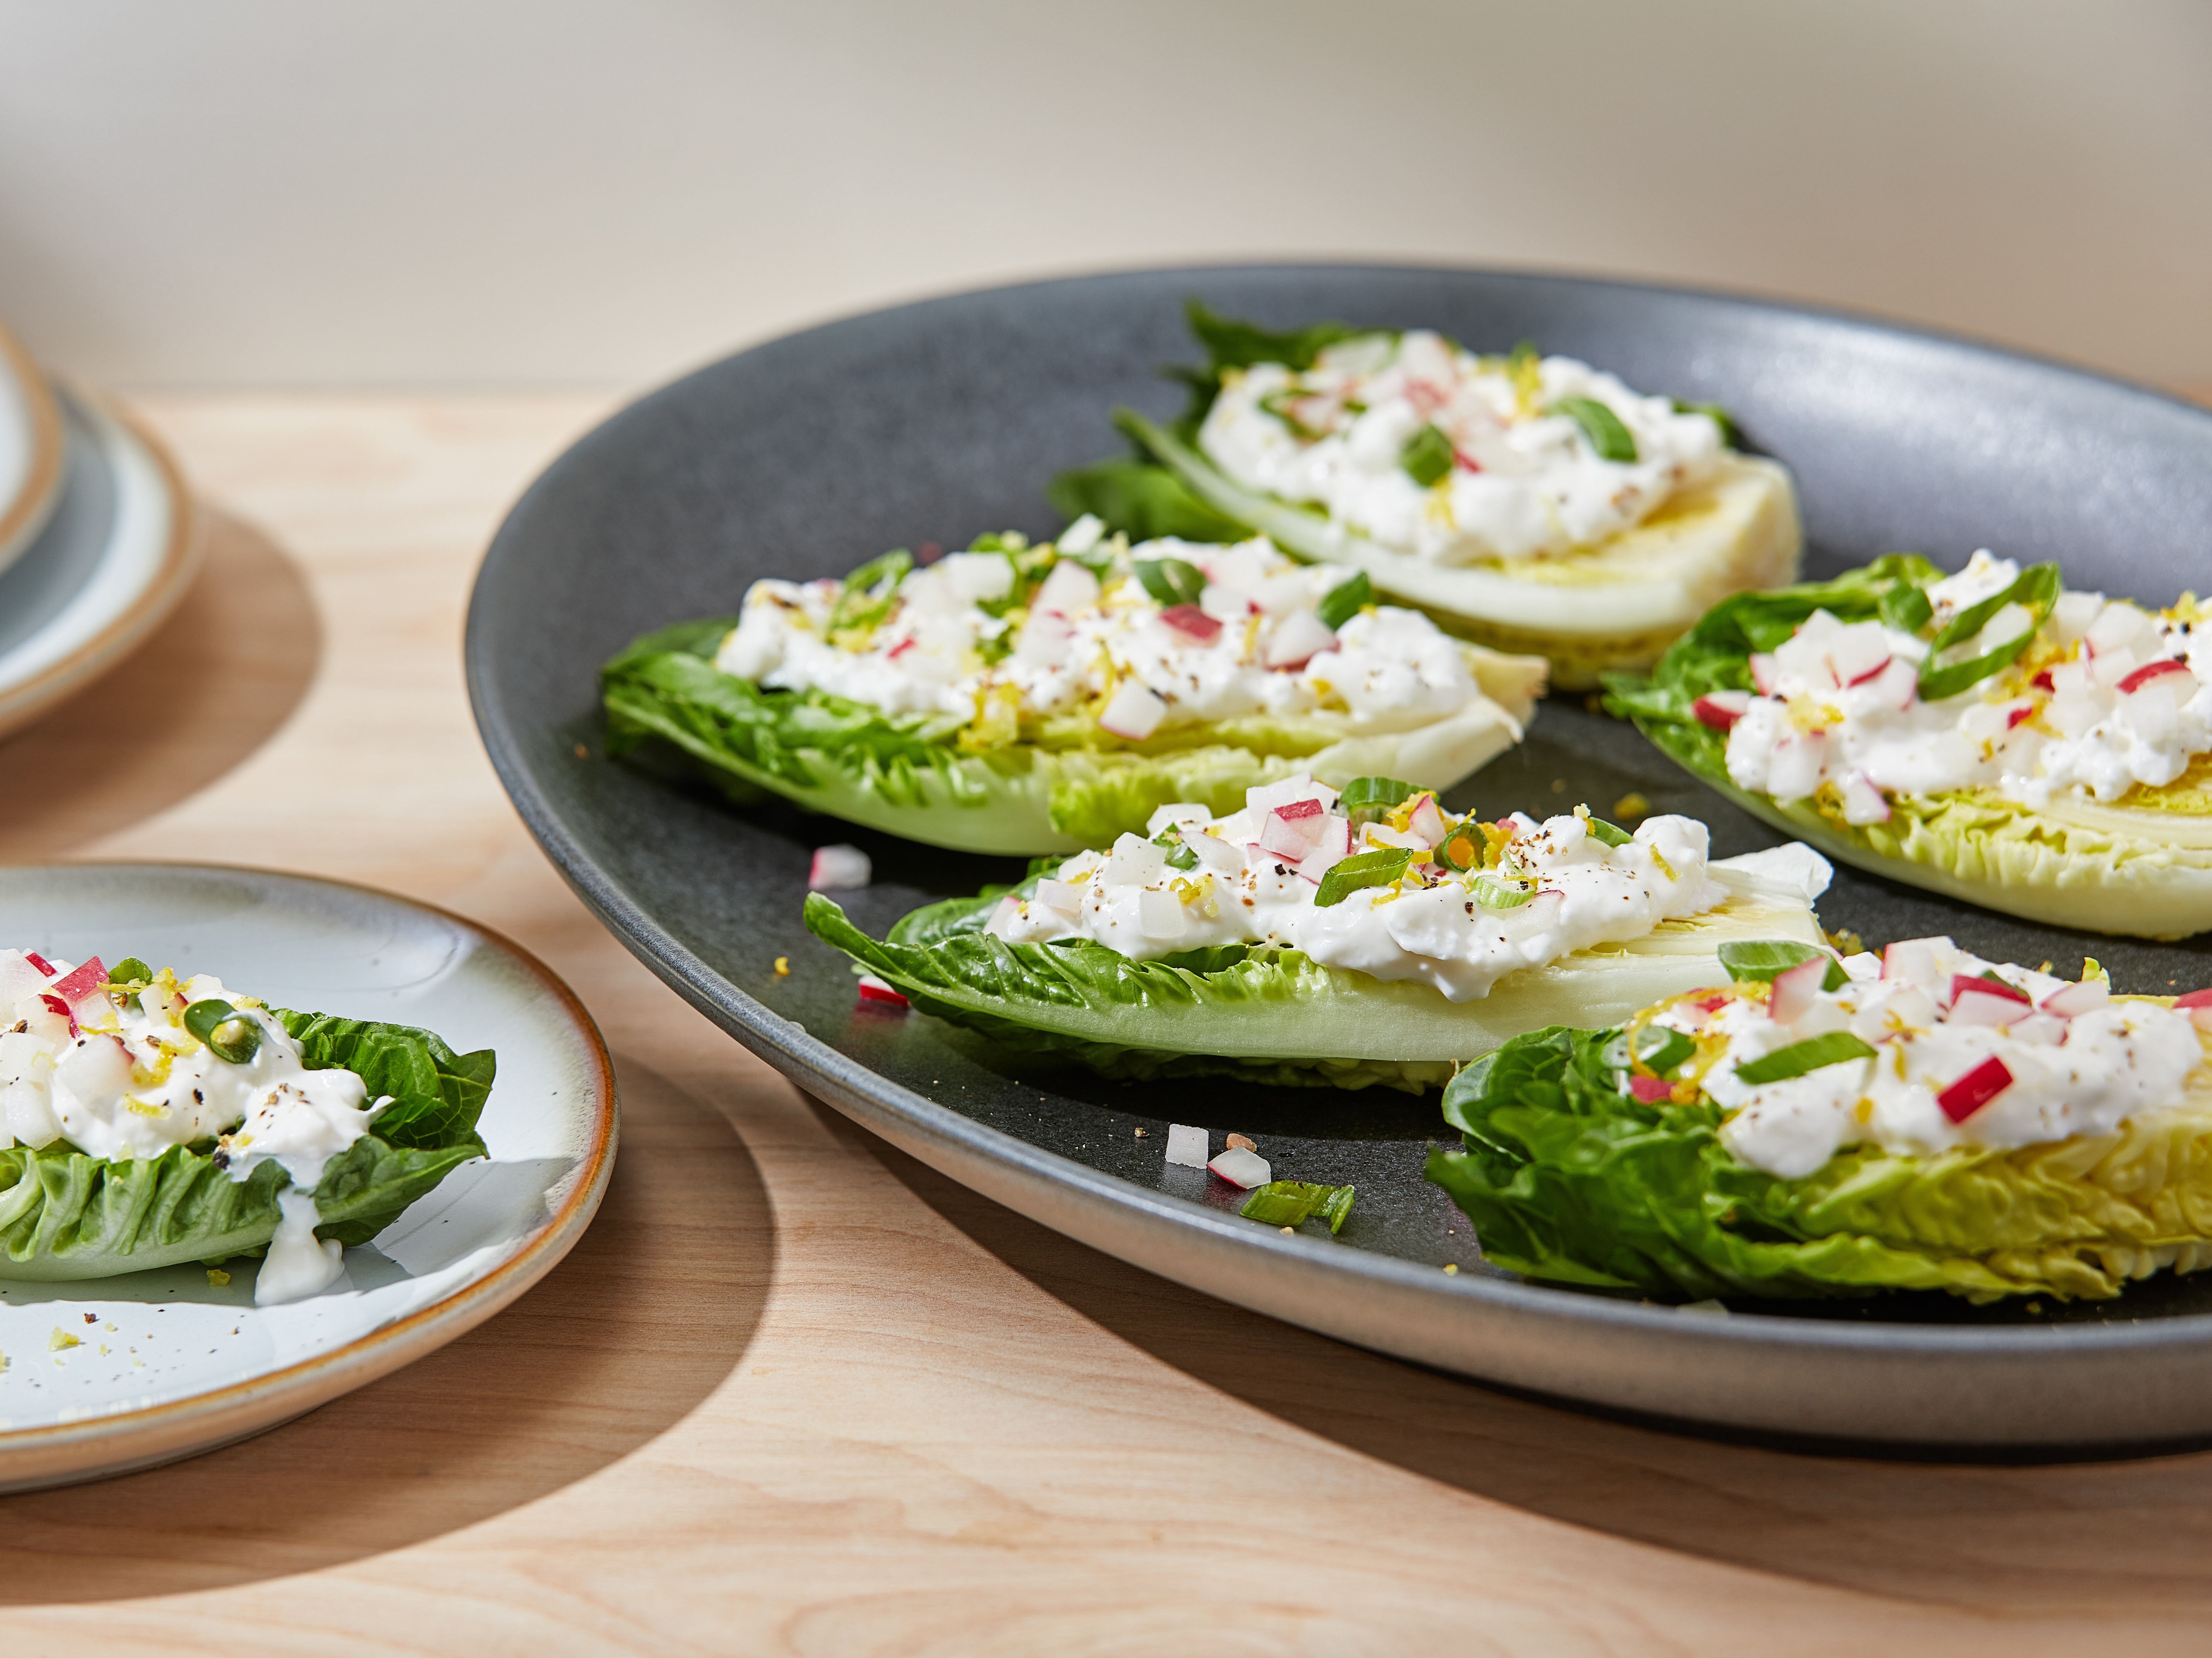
(1840, 711)
(119, 1076)
(2081, 1065)
(1523, 480)
(1432, 925)
(1091, 638)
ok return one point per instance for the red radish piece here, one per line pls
(900, 649)
(1333, 846)
(1297, 640)
(1721, 709)
(1975, 1090)
(1134, 712)
(1426, 821)
(1973, 1006)
(1764, 673)
(1292, 832)
(39, 963)
(1796, 990)
(1192, 623)
(1651, 1090)
(1910, 958)
(2025, 711)
(2149, 671)
(2197, 1005)
(2042, 682)
(1294, 810)
(875, 993)
(1712, 1004)
(97, 1072)
(1863, 802)
(839, 869)
(1466, 462)
(83, 982)
(1874, 673)
(2072, 1001)
(1962, 983)
(1242, 1168)
(60, 1009)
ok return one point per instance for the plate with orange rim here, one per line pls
(115, 554)
(32, 447)
(105, 1375)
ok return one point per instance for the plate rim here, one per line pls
(30, 699)
(948, 1140)
(177, 1428)
(23, 518)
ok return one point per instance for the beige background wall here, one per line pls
(604, 191)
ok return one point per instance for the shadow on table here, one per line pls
(2013, 1539)
(653, 1308)
(213, 684)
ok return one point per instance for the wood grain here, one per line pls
(796, 1393)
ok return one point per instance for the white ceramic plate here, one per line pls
(110, 564)
(31, 448)
(167, 1364)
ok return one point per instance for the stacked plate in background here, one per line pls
(97, 541)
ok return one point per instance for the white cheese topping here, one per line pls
(956, 641)
(1532, 892)
(2106, 696)
(1517, 477)
(1958, 1061)
(120, 1075)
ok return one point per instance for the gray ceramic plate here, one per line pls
(940, 421)
(168, 1362)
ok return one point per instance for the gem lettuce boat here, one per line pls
(1532, 503)
(1317, 939)
(1039, 698)
(1990, 735)
(1920, 1121)
(147, 1120)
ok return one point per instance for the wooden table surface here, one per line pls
(795, 1392)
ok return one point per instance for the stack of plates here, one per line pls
(96, 539)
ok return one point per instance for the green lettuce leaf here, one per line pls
(1145, 502)
(902, 774)
(1568, 1179)
(67, 1215)
(2146, 874)
(1269, 1015)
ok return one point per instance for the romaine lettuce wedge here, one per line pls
(2140, 867)
(67, 1215)
(1275, 1015)
(1571, 1180)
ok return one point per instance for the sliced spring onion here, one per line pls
(1379, 868)
(229, 1035)
(1763, 958)
(1367, 799)
(1292, 1202)
(1611, 441)
(1831, 1047)
(2036, 588)
(1170, 580)
(1906, 608)
(1278, 403)
(1660, 1048)
(1461, 850)
(1610, 834)
(1427, 456)
(1345, 601)
(130, 971)
(1493, 894)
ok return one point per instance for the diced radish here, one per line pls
(1651, 1089)
(1796, 990)
(1293, 810)
(1796, 767)
(1913, 960)
(1186, 1145)
(2118, 625)
(1899, 683)
(2197, 1005)
(1857, 652)
(2039, 1028)
(1763, 672)
(60, 1009)
(18, 978)
(1061, 898)
(1134, 712)
(1862, 802)
(1242, 1168)
(2072, 1001)
(1192, 623)
(1213, 852)
(1265, 797)
(83, 982)
(875, 993)
(97, 1072)
(2042, 682)
(1427, 821)
(1069, 588)
(1712, 1004)
(1135, 862)
(1721, 709)
(839, 869)
(41, 963)
(1002, 916)
(1046, 640)
(1874, 673)
(1289, 834)
(1297, 639)
(2022, 711)
(1979, 1005)
(1962, 982)
(1160, 917)
(1975, 1090)
(1333, 846)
